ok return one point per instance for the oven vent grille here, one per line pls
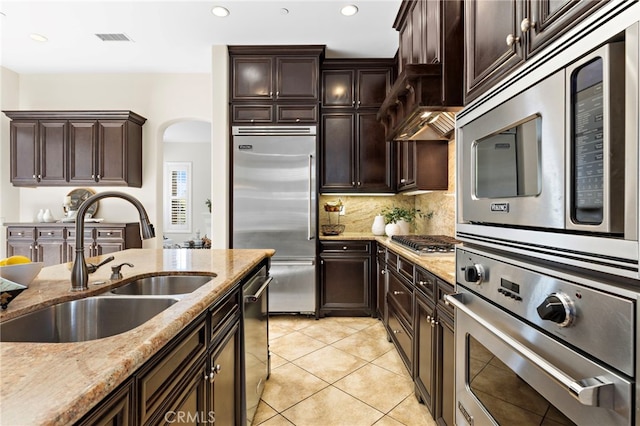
(113, 37)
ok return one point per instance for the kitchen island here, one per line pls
(58, 383)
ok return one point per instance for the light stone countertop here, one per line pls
(57, 383)
(441, 265)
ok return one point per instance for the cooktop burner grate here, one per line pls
(427, 244)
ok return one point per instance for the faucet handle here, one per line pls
(115, 270)
(91, 268)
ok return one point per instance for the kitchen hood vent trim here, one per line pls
(415, 108)
(114, 37)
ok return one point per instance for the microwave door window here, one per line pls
(507, 164)
(588, 143)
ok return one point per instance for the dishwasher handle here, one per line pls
(255, 297)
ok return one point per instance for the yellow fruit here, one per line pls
(16, 260)
(3, 262)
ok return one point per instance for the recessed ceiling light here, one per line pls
(349, 10)
(38, 37)
(220, 11)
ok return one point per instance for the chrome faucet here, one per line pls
(80, 272)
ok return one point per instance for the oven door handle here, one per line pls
(255, 297)
(593, 392)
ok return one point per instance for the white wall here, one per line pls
(9, 196)
(199, 155)
(162, 98)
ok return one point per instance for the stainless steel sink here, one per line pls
(85, 319)
(164, 285)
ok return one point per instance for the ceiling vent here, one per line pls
(113, 37)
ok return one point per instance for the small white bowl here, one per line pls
(22, 273)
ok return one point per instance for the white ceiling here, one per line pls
(176, 36)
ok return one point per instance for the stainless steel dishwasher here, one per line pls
(255, 317)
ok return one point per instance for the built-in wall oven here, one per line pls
(536, 345)
(553, 170)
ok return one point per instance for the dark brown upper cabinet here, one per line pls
(422, 165)
(354, 155)
(68, 148)
(356, 87)
(518, 29)
(38, 152)
(275, 73)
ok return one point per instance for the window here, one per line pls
(177, 193)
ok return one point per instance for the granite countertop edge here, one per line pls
(58, 383)
(443, 266)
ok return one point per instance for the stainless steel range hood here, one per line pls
(416, 107)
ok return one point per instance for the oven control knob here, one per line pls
(473, 273)
(558, 308)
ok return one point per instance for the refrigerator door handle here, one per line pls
(310, 234)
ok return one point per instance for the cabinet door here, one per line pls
(51, 245)
(337, 152)
(445, 370)
(424, 349)
(83, 140)
(345, 282)
(381, 285)
(24, 152)
(112, 152)
(373, 85)
(52, 152)
(549, 18)
(252, 78)
(406, 176)
(89, 242)
(374, 155)
(338, 88)
(297, 78)
(488, 54)
(225, 379)
(115, 410)
(22, 248)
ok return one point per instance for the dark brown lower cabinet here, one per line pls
(194, 380)
(116, 410)
(345, 278)
(425, 350)
(381, 283)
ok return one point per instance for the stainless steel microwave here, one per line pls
(553, 156)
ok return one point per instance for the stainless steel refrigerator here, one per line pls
(275, 206)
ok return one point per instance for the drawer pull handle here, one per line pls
(396, 292)
(49, 233)
(397, 331)
(20, 234)
(383, 272)
(344, 248)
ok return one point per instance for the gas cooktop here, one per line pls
(427, 244)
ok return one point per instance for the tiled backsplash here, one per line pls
(437, 207)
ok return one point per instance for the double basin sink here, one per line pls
(117, 311)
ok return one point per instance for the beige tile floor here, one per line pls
(335, 372)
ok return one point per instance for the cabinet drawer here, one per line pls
(50, 233)
(345, 246)
(425, 282)
(392, 259)
(221, 314)
(442, 289)
(401, 336)
(110, 234)
(252, 113)
(163, 375)
(297, 113)
(71, 234)
(405, 268)
(402, 295)
(21, 233)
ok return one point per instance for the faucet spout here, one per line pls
(80, 272)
